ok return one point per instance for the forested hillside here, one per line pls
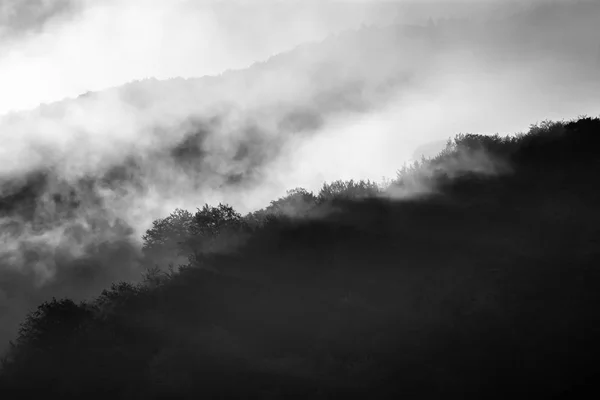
(472, 274)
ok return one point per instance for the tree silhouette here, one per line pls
(296, 202)
(348, 190)
(166, 240)
(214, 229)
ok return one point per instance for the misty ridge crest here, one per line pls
(179, 238)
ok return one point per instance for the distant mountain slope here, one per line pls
(256, 109)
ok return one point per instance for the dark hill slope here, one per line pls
(486, 289)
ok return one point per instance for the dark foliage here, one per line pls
(166, 239)
(485, 288)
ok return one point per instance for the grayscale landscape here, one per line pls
(309, 199)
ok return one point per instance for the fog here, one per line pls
(84, 175)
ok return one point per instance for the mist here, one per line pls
(153, 105)
(52, 50)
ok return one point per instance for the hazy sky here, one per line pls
(51, 49)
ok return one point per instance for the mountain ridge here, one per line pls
(460, 292)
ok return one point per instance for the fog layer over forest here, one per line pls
(348, 97)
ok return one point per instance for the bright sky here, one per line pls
(106, 43)
(52, 49)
